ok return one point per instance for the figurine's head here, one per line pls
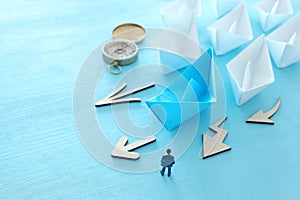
(168, 151)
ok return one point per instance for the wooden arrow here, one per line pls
(115, 97)
(121, 150)
(261, 117)
(214, 145)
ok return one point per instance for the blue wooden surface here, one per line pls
(42, 47)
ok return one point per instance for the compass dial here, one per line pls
(123, 51)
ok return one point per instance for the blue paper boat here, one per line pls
(171, 62)
(188, 95)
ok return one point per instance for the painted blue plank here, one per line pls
(42, 47)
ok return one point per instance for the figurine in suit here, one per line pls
(167, 161)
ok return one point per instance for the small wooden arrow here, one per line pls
(214, 145)
(115, 97)
(121, 150)
(261, 117)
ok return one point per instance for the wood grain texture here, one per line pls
(42, 46)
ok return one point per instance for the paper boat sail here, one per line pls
(273, 12)
(188, 95)
(187, 26)
(180, 16)
(250, 71)
(231, 31)
(224, 6)
(178, 10)
(182, 36)
(171, 62)
(181, 39)
(284, 43)
(177, 52)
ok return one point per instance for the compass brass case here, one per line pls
(129, 31)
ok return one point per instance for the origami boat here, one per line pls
(231, 31)
(284, 43)
(182, 35)
(250, 71)
(188, 95)
(273, 12)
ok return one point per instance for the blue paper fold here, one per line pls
(171, 62)
(188, 95)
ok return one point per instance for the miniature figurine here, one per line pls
(167, 161)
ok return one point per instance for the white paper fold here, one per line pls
(179, 9)
(284, 43)
(180, 16)
(181, 38)
(178, 45)
(224, 6)
(231, 31)
(250, 71)
(187, 26)
(273, 12)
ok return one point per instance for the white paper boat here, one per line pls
(177, 52)
(179, 17)
(273, 12)
(284, 43)
(187, 26)
(181, 41)
(179, 9)
(224, 6)
(250, 71)
(231, 31)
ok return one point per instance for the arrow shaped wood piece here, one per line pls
(115, 97)
(214, 145)
(261, 117)
(121, 150)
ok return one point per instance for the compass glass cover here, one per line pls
(120, 50)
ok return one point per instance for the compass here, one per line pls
(119, 52)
